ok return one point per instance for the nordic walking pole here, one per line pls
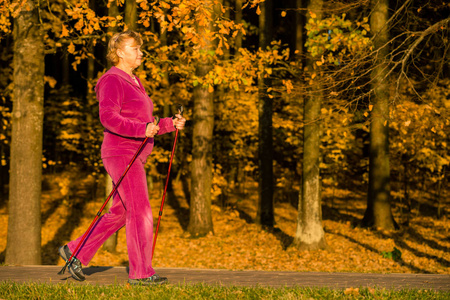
(106, 202)
(180, 111)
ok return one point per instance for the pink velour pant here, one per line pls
(130, 207)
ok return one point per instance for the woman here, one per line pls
(126, 112)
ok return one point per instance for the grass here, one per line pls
(11, 290)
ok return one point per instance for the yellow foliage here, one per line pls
(71, 48)
(258, 10)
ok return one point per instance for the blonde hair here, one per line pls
(116, 42)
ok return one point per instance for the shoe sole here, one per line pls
(63, 255)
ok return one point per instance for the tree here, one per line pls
(310, 234)
(378, 213)
(131, 14)
(200, 221)
(265, 213)
(111, 243)
(24, 223)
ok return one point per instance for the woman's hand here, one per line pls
(151, 130)
(179, 122)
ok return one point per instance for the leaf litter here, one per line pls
(237, 243)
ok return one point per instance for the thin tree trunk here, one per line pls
(310, 234)
(299, 25)
(238, 20)
(111, 243)
(24, 223)
(200, 221)
(131, 14)
(239, 177)
(378, 213)
(265, 214)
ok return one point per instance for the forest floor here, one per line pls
(239, 244)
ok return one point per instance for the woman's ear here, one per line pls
(119, 53)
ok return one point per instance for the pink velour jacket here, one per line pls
(125, 110)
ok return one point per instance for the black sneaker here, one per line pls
(74, 266)
(152, 280)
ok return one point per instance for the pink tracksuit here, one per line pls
(125, 110)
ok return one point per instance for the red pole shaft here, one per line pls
(164, 194)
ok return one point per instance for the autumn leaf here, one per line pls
(79, 24)
(64, 31)
(258, 11)
(351, 291)
(50, 80)
(71, 48)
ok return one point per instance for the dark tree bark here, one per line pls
(378, 213)
(299, 25)
(200, 221)
(310, 234)
(24, 223)
(265, 214)
(131, 14)
(238, 20)
(110, 244)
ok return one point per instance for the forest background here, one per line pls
(308, 122)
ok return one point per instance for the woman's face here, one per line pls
(130, 54)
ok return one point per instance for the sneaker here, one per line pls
(74, 266)
(152, 280)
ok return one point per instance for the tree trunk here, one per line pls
(24, 223)
(238, 20)
(299, 25)
(200, 221)
(310, 234)
(111, 243)
(265, 214)
(378, 213)
(131, 14)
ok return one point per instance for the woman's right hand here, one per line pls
(151, 130)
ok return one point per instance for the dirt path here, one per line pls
(118, 275)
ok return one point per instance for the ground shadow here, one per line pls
(181, 213)
(333, 214)
(53, 207)
(78, 200)
(3, 200)
(245, 216)
(94, 269)
(368, 247)
(427, 209)
(88, 271)
(285, 239)
(417, 237)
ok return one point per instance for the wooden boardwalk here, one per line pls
(181, 276)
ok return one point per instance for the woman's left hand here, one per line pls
(179, 122)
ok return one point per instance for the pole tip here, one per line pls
(62, 270)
